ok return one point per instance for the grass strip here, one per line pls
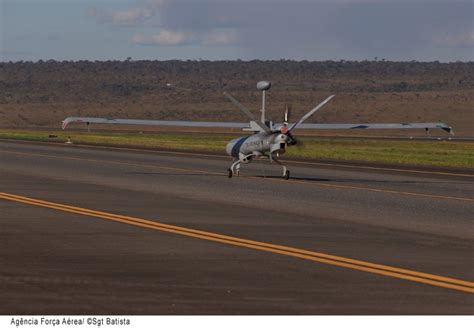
(433, 153)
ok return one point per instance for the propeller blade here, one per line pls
(246, 112)
(287, 114)
(307, 115)
(291, 139)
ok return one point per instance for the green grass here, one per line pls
(192, 142)
(437, 153)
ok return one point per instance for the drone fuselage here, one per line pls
(259, 144)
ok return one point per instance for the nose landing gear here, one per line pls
(286, 173)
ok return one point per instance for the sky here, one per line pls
(401, 30)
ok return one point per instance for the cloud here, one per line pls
(461, 40)
(137, 15)
(220, 38)
(131, 16)
(302, 29)
(164, 38)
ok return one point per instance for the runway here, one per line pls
(108, 231)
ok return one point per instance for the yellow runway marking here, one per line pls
(115, 162)
(385, 169)
(321, 184)
(385, 270)
(407, 193)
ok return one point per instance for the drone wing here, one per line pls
(100, 120)
(353, 126)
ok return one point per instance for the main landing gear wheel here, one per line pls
(287, 175)
(230, 173)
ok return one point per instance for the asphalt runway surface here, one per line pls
(87, 230)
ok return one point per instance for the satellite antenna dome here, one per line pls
(264, 85)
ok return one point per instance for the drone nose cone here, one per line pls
(228, 148)
(231, 146)
(234, 146)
